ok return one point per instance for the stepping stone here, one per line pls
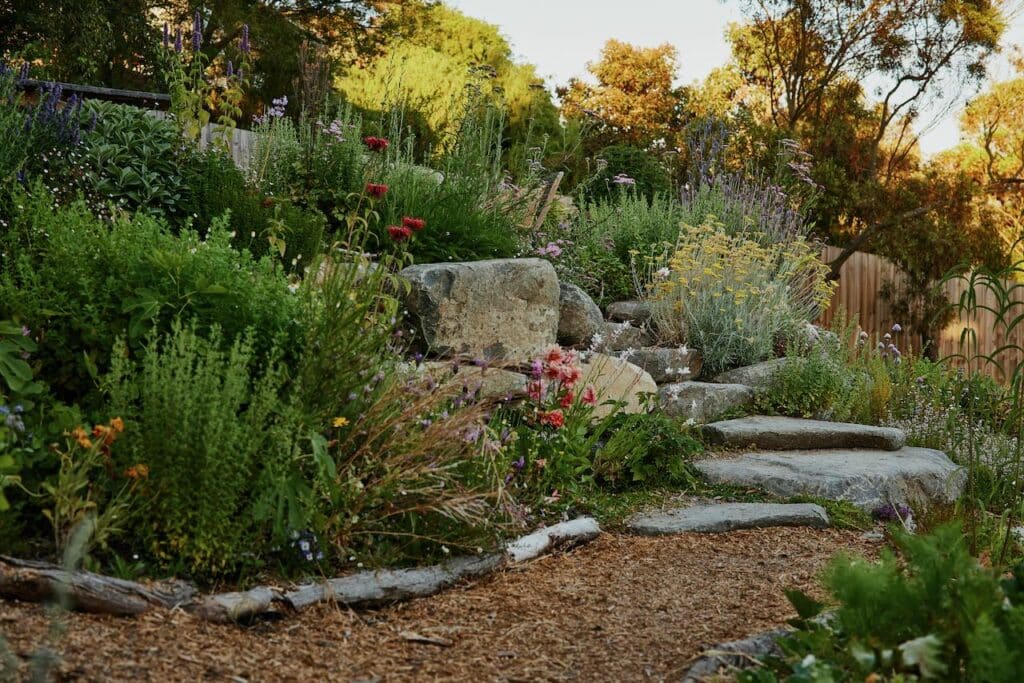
(728, 517)
(790, 433)
(701, 401)
(866, 478)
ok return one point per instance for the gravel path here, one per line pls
(623, 608)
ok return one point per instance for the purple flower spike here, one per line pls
(245, 39)
(167, 36)
(177, 41)
(197, 32)
(231, 69)
(23, 73)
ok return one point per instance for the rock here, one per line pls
(866, 478)
(622, 336)
(579, 318)
(636, 312)
(701, 401)
(615, 379)
(789, 433)
(758, 376)
(492, 382)
(499, 309)
(741, 654)
(666, 364)
(728, 517)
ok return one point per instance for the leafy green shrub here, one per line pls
(132, 159)
(646, 449)
(201, 419)
(215, 186)
(934, 613)
(648, 175)
(735, 299)
(79, 283)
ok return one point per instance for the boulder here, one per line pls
(621, 337)
(917, 477)
(666, 364)
(758, 376)
(636, 312)
(615, 379)
(491, 382)
(790, 433)
(702, 401)
(727, 517)
(579, 318)
(499, 309)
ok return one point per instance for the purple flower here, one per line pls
(623, 179)
(245, 39)
(897, 328)
(890, 512)
(552, 249)
(23, 72)
(536, 369)
(231, 69)
(520, 463)
(167, 36)
(197, 32)
(177, 40)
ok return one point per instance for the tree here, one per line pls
(634, 101)
(812, 59)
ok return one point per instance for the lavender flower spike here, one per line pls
(231, 69)
(167, 36)
(197, 32)
(245, 39)
(177, 41)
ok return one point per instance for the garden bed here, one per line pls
(576, 616)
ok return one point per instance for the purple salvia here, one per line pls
(231, 69)
(177, 41)
(197, 32)
(167, 36)
(245, 39)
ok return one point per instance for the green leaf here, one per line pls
(806, 606)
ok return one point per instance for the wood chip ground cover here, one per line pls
(622, 608)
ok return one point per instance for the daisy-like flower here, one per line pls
(339, 422)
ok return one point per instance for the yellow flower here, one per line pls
(340, 422)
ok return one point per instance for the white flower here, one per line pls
(690, 422)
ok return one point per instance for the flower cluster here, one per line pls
(376, 144)
(101, 435)
(12, 417)
(376, 190)
(623, 179)
(276, 110)
(552, 386)
(552, 249)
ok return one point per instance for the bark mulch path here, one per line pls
(623, 608)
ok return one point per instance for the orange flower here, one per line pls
(137, 471)
(80, 435)
(555, 418)
(117, 424)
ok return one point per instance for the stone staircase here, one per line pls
(864, 465)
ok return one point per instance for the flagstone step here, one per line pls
(724, 517)
(789, 433)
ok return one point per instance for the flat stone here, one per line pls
(666, 364)
(636, 312)
(579, 318)
(790, 433)
(916, 477)
(491, 382)
(615, 379)
(728, 517)
(617, 337)
(758, 375)
(702, 401)
(498, 309)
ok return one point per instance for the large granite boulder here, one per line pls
(869, 479)
(579, 318)
(615, 379)
(616, 337)
(758, 375)
(499, 309)
(703, 401)
(666, 364)
(636, 312)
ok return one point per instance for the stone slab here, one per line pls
(790, 433)
(728, 517)
(702, 401)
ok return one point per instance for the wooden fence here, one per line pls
(861, 281)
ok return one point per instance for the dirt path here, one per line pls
(620, 609)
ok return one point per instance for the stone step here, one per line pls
(727, 517)
(917, 477)
(790, 433)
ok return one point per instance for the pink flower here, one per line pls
(589, 397)
(416, 224)
(399, 233)
(376, 144)
(569, 375)
(535, 390)
(376, 190)
(567, 400)
(554, 418)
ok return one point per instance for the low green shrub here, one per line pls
(934, 613)
(646, 449)
(200, 414)
(629, 169)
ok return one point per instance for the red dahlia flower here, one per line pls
(399, 233)
(416, 224)
(376, 144)
(376, 190)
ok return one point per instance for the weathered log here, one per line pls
(239, 606)
(86, 591)
(563, 534)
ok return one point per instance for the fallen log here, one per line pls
(86, 591)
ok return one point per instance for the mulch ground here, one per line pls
(620, 609)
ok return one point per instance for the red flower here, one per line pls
(376, 144)
(535, 390)
(399, 233)
(376, 190)
(589, 396)
(567, 400)
(569, 374)
(416, 224)
(555, 418)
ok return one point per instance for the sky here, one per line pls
(561, 36)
